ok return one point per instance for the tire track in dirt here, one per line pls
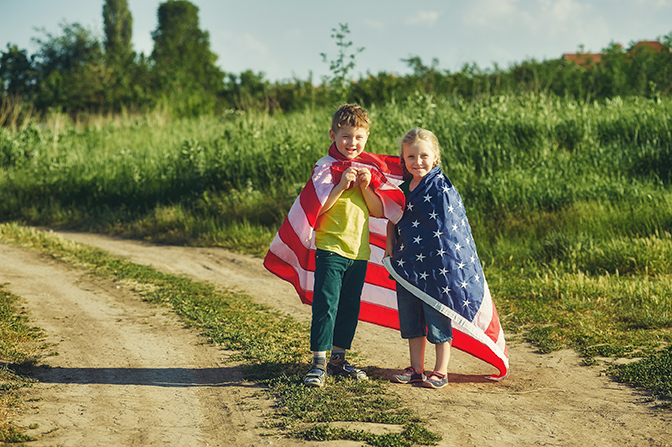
(127, 373)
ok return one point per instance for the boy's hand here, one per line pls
(348, 178)
(364, 178)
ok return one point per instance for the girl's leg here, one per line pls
(416, 347)
(442, 357)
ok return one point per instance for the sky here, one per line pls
(284, 39)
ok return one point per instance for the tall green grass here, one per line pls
(506, 155)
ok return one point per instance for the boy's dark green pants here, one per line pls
(336, 298)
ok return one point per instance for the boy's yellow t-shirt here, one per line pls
(344, 228)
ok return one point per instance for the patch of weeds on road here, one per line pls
(270, 345)
(21, 346)
(308, 413)
(653, 373)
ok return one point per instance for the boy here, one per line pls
(342, 241)
(322, 247)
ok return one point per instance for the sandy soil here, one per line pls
(129, 374)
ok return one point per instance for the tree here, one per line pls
(119, 55)
(184, 64)
(71, 70)
(16, 74)
(118, 31)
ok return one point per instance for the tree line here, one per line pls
(74, 72)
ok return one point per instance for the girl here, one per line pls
(419, 322)
(431, 255)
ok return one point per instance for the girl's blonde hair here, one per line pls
(413, 136)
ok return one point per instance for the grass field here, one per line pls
(570, 203)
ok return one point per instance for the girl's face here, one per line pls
(419, 159)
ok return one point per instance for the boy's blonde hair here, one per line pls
(413, 136)
(350, 115)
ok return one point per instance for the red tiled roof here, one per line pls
(652, 45)
(589, 59)
(583, 59)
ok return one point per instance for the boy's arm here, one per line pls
(349, 176)
(372, 200)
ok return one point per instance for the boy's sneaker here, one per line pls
(410, 375)
(345, 369)
(435, 380)
(316, 375)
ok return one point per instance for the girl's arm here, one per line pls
(391, 239)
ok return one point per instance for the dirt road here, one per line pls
(128, 374)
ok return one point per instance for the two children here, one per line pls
(343, 251)
(439, 277)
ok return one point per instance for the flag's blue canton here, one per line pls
(435, 250)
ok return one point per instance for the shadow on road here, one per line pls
(163, 377)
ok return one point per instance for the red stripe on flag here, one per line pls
(292, 240)
(286, 272)
(377, 240)
(471, 346)
(382, 316)
(494, 328)
(310, 203)
(377, 275)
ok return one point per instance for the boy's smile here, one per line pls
(350, 141)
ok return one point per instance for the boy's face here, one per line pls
(350, 141)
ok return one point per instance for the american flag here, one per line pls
(435, 258)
